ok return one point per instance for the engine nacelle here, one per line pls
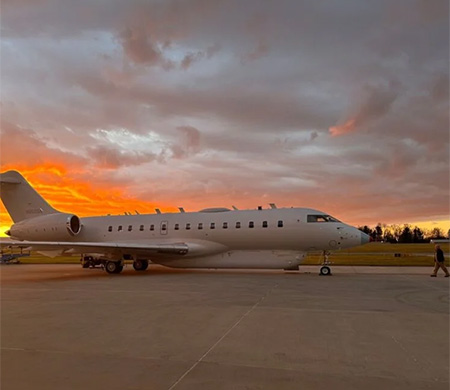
(50, 227)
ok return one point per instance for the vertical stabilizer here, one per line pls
(20, 199)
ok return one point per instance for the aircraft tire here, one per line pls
(140, 265)
(325, 271)
(113, 267)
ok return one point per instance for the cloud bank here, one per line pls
(337, 106)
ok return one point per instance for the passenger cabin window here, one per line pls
(225, 225)
(200, 226)
(251, 224)
(321, 218)
(188, 226)
(152, 227)
(109, 228)
(141, 228)
(264, 224)
(280, 223)
(164, 227)
(119, 229)
(177, 226)
(238, 225)
(213, 225)
(130, 228)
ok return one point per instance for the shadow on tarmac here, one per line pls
(59, 272)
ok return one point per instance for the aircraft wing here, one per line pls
(114, 248)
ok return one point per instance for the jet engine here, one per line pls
(49, 227)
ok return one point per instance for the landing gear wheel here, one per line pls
(113, 267)
(140, 265)
(325, 271)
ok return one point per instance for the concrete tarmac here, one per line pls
(63, 327)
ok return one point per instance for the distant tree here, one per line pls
(389, 237)
(396, 232)
(378, 232)
(426, 234)
(437, 234)
(418, 235)
(365, 229)
(406, 235)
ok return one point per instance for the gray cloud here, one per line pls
(140, 49)
(375, 102)
(111, 158)
(22, 147)
(187, 142)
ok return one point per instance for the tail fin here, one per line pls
(20, 199)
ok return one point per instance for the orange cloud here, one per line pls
(347, 127)
(374, 103)
(82, 198)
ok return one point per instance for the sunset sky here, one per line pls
(110, 106)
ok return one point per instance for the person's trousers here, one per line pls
(438, 265)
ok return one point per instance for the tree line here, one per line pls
(403, 234)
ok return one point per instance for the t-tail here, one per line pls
(34, 219)
(20, 199)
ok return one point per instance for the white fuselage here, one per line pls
(272, 238)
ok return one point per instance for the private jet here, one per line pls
(273, 238)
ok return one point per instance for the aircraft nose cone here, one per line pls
(365, 238)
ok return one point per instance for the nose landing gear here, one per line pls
(325, 270)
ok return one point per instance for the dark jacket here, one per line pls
(440, 255)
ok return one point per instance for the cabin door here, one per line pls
(164, 225)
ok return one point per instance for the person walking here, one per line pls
(439, 262)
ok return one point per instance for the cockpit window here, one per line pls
(321, 218)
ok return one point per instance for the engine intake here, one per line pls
(73, 225)
(49, 227)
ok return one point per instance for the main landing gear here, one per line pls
(325, 270)
(140, 265)
(114, 267)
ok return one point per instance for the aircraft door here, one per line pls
(164, 227)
